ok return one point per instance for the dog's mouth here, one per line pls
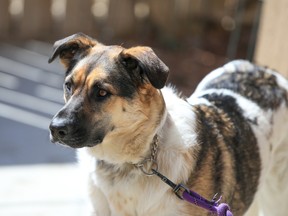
(74, 142)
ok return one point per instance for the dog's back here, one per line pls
(261, 96)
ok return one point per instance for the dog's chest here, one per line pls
(129, 198)
(123, 202)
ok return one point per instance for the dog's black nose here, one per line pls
(59, 129)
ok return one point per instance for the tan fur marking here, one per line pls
(96, 75)
(119, 206)
(79, 76)
(136, 51)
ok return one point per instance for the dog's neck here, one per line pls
(147, 159)
(127, 169)
(158, 146)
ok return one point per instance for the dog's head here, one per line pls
(113, 103)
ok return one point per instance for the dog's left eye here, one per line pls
(102, 93)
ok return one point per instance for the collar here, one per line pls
(150, 163)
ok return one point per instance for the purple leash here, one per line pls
(184, 193)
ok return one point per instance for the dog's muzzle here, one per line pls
(59, 130)
(71, 133)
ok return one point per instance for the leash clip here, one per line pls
(179, 190)
(146, 165)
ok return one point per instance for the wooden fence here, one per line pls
(49, 19)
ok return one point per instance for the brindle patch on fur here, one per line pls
(241, 143)
(257, 85)
(213, 127)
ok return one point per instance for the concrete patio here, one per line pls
(41, 190)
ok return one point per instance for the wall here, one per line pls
(272, 47)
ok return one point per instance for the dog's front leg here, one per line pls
(100, 206)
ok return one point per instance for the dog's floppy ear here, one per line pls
(144, 59)
(68, 47)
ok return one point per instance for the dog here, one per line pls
(229, 137)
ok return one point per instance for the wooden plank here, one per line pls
(162, 14)
(79, 17)
(272, 47)
(4, 18)
(121, 20)
(37, 19)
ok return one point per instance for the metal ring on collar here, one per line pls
(147, 165)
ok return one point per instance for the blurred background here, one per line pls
(192, 37)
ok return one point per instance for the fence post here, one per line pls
(4, 18)
(272, 46)
(78, 17)
(121, 20)
(37, 19)
(162, 14)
